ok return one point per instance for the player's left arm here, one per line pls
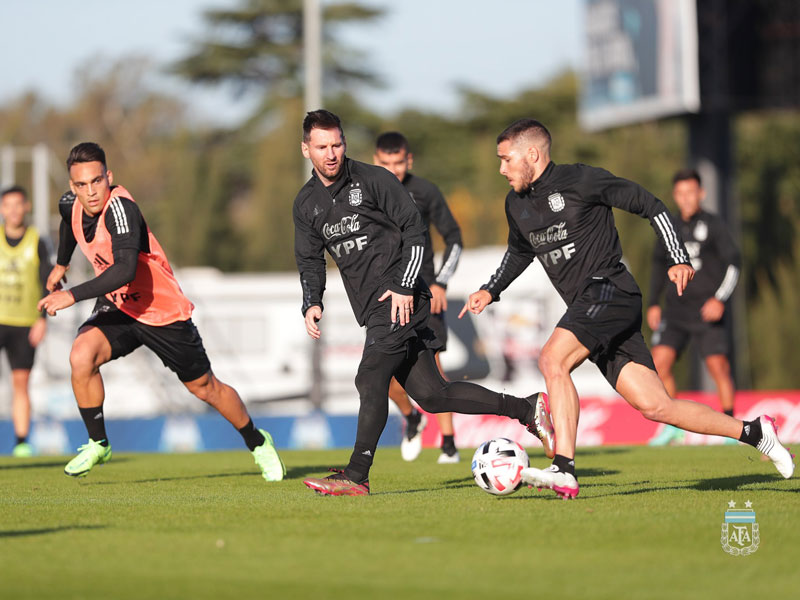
(124, 222)
(444, 222)
(713, 308)
(393, 200)
(630, 196)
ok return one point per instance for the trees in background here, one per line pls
(222, 197)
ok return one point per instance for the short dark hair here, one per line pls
(685, 175)
(391, 142)
(86, 152)
(320, 119)
(15, 189)
(525, 127)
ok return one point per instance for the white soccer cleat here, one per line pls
(448, 459)
(771, 447)
(563, 484)
(411, 445)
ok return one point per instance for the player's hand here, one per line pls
(712, 310)
(438, 299)
(57, 275)
(37, 331)
(56, 301)
(680, 275)
(654, 317)
(402, 306)
(476, 303)
(313, 315)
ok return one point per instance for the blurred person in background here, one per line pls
(700, 314)
(139, 303)
(366, 221)
(393, 153)
(562, 215)
(24, 266)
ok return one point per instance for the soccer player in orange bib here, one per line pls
(139, 303)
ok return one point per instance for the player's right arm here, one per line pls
(66, 243)
(309, 253)
(518, 256)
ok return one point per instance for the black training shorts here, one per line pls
(608, 321)
(708, 338)
(20, 352)
(178, 344)
(390, 338)
(438, 325)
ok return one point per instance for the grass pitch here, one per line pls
(646, 525)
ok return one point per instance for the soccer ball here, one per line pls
(497, 466)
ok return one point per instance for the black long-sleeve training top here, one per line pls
(434, 211)
(716, 261)
(565, 219)
(371, 228)
(128, 237)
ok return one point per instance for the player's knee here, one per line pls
(657, 411)
(551, 365)
(430, 397)
(82, 360)
(368, 388)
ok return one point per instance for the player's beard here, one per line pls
(526, 179)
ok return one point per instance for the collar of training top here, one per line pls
(344, 177)
(544, 177)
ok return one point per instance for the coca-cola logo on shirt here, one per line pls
(345, 226)
(554, 233)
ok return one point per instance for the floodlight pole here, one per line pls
(312, 90)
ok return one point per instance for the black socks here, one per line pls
(564, 464)
(95, 424)
(728, 412)
(252, 436)
(448, 445)
(751, 432)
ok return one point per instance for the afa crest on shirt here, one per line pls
(355, 196)
(556, 202)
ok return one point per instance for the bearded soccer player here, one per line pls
(561, 214)
(139, 303)
(364, 218)
(392, 152)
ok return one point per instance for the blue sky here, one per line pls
(422, 48)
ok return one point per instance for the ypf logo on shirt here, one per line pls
(556, 202)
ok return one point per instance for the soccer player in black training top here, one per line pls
(368, 223)
(700, 313)
(561, 214)
(392, 152)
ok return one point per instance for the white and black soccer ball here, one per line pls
(497, 466)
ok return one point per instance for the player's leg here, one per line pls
(421, 378)
(21, 411)
(416, 421)
(449, 451)
(720, 370)
(642, 388)
(180, 348)
(20, 358)
(664, 358)
(372, 382)
(90, 350)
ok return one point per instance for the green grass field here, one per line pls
(646, 525)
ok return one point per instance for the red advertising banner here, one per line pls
(611, 420)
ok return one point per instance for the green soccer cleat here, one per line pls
(267, 459)
(23, 450)
(89, 455)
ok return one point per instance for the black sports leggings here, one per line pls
(417, 372)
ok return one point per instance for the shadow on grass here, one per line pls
(51, 464)
(46, 530)
(736, 482)
(291, 473)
